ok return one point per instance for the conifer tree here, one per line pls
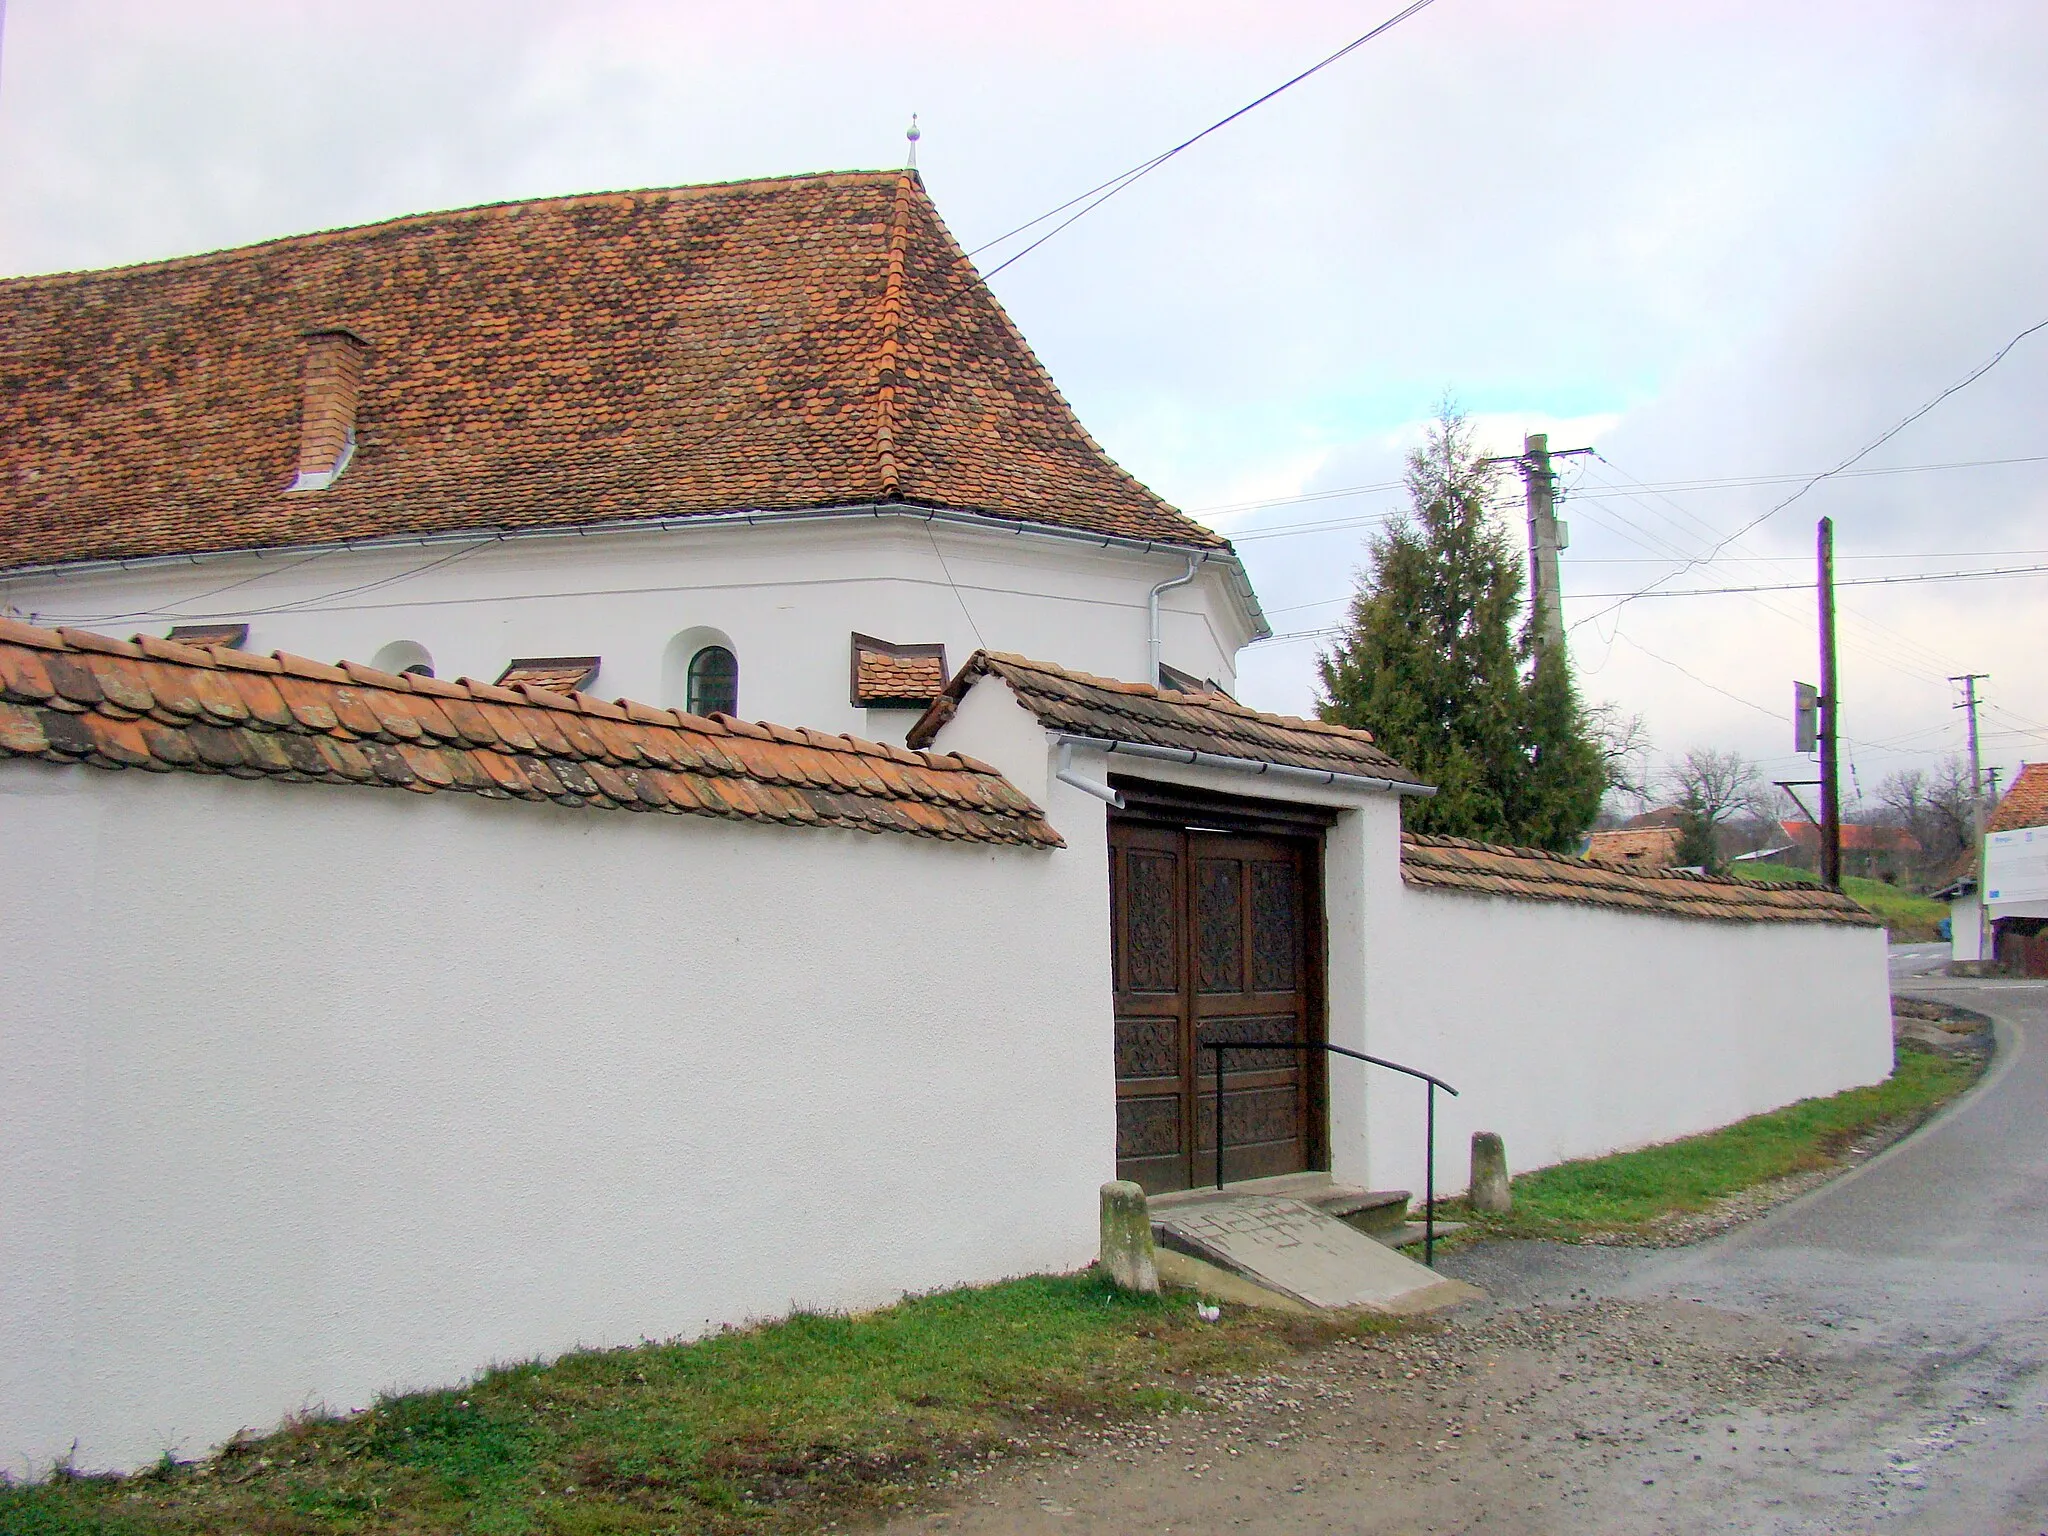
(1432, 665)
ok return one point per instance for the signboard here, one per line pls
(2016, 867)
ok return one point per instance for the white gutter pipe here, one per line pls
(1066, 775)
(1152, 613)
(1247, 765)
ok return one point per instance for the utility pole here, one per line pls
(1547, 535)
(1539, 493)
(1970, 680)
(1830, 718)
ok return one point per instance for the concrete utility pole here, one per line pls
(1830, 718)
(1970, 680)
(1539, 491)
(1547, 535)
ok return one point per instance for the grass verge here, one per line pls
(1909, 919)
(761, 1430)
(1636, 1193)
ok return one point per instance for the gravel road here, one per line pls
(1869, 1357)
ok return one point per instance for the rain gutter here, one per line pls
(1249, 765)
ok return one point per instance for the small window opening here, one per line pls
(714, 682)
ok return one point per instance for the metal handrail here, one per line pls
(1429, 1150)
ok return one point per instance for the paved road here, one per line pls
(1912, 960)
(1870, 1358)
(1924, 1275)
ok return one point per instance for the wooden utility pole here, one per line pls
(1830, 718)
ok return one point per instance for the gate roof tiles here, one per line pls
(1107, 710)
(69, 696)
(801, 342)
(1482, 869)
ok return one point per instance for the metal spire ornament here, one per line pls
(913, 135)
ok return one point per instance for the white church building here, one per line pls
(598, 768)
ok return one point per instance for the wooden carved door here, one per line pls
(1212, 942)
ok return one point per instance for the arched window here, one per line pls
(404, 656)
(714, 682)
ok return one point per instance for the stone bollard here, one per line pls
(1127, 1239)
(1490, 1191)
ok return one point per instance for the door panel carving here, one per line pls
(1212, 942)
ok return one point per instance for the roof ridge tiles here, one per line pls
(340, 233)
(151, 704)
(1464, 864)
(1081, 704)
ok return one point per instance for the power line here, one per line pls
(1096, 196)
(1789, 586)
(1663, 487)
(1865, 451)
(1807, 586)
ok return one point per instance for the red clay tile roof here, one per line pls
(901, 675)
(1454, 864)
(1656, 846)
(2025, 804)
(1857, 837)
(234, 636)
(811, 341)
(1107, 710)
(67, 696)
(557, 674)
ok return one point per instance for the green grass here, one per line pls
(758, 1430)
(1909, 919)
(1633, 1191)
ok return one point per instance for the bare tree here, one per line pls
(1713, 790)
(1624, 746)
(1934, 806)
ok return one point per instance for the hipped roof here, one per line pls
(804, 342)
(2025, 804)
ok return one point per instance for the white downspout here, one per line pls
(1152, 613)
(1066, 775)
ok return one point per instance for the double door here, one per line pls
(1212, 941)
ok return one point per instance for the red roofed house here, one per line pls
(660, 776)
(2016, 874)
(1868, 848)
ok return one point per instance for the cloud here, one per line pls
(1718, 241)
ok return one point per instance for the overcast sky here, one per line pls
(1716, 242)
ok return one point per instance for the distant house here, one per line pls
(2015, 874)
(1867, 849)
(1958, 888)
(1647, 847)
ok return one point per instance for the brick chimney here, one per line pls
(331, 382)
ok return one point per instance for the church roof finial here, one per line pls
(913, 135)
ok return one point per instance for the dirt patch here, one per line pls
(1505, 1421)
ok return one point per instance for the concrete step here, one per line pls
(1411, 1233)
(1292, 1246)
(1371, 1211)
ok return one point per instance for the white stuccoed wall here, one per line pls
(1570, 1030)
(307, 1093)
(785, 597)
(1575, 1031)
